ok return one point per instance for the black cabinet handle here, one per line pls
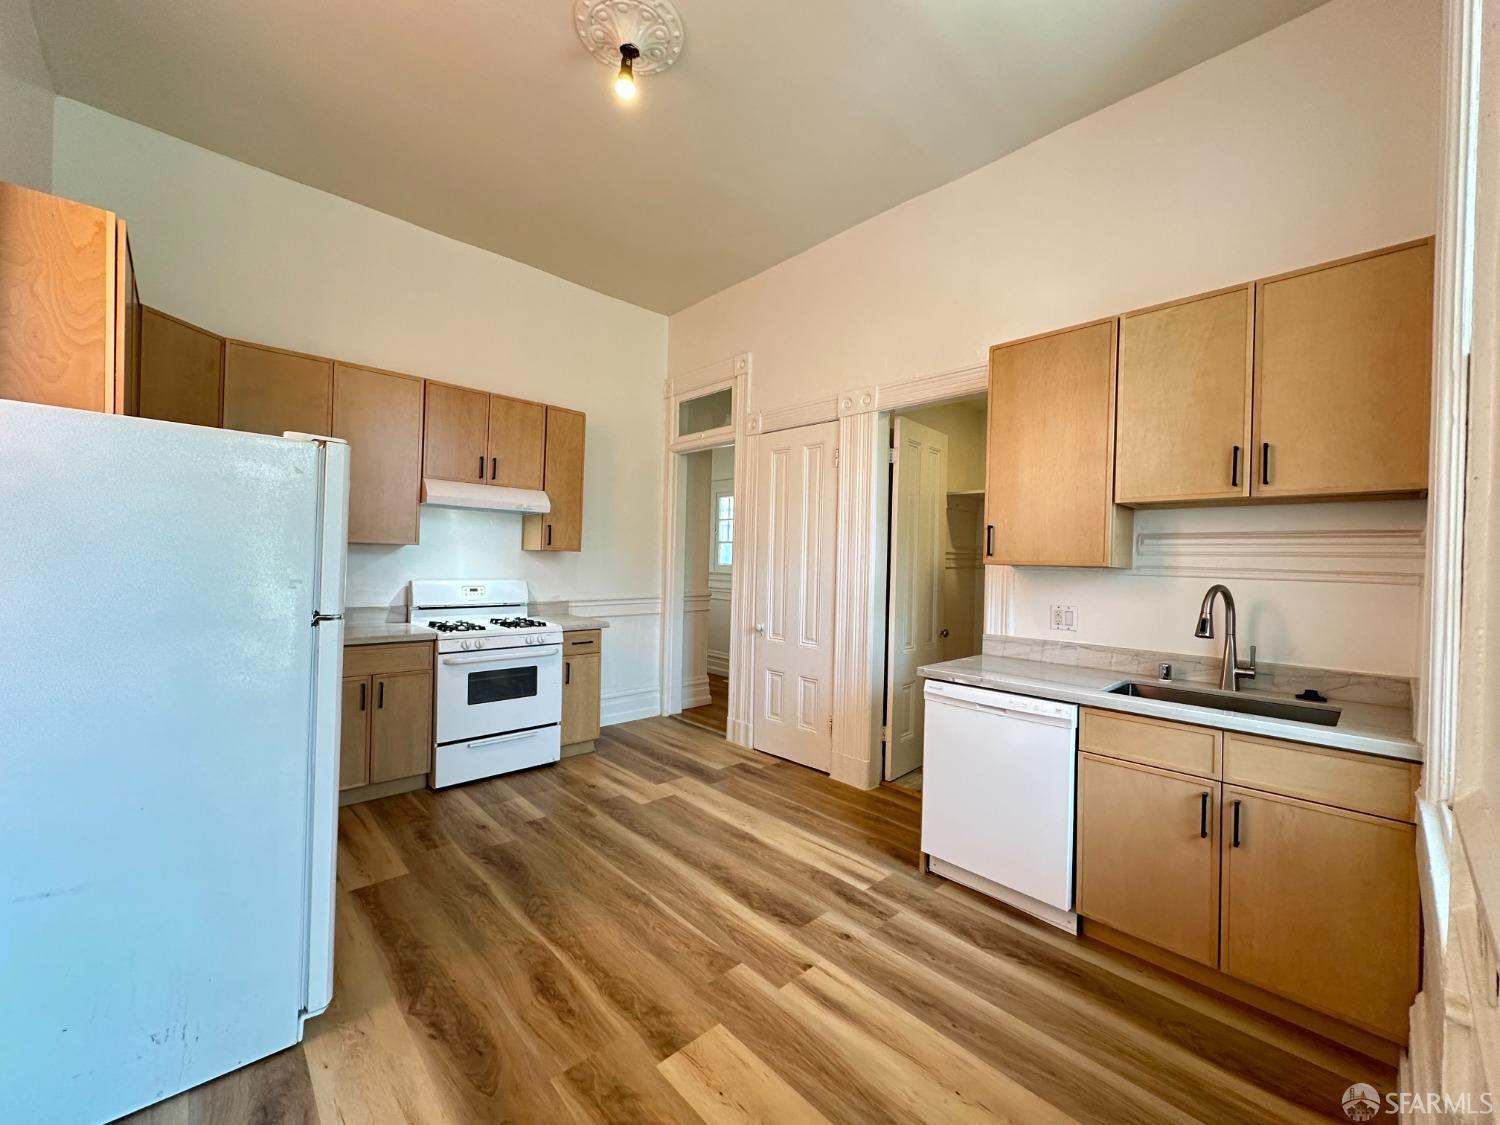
(1203, 816)
(481, 466)
(492, 468)
(380, 695)
(567, 672)
(989, 540)
(549, 535)
(1265, 462)
(362, 696)
(1236, 824)
(1234, 468)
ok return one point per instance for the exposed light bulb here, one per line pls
(625, 80)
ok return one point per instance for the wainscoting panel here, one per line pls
(630, 671)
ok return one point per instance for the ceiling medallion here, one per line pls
(653, 26)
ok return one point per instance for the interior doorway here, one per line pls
(935, 565)
(706, 479)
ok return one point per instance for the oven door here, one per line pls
(498, 690)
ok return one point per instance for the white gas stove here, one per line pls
(499, 678)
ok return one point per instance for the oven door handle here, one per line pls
(535, 652)
(520, 734)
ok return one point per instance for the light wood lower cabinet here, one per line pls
(354, 734)
(1314, 901)
(580, 709)
(1148, 857)
(1321, 906)
(379, 413)
(387, 713)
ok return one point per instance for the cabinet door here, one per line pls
(57, 339)
(561, 529)
(1049, 499)
(401, 726)
(380, 415)
(1342, 373)
(182, 371)
(580, 709)
(1148, 860)
(1184, 401)
(456, 432)
(518, 442)
(354, 734)
(1321, 906)
(267, 391)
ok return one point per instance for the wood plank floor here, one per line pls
(676, 930)
(713, 715)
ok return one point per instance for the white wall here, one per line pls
(1315, 140)
(25, 100)
(258, 257)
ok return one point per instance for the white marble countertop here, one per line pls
(384, 632)
(571, 623)
(1363, 727)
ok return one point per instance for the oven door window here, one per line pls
(499, 684)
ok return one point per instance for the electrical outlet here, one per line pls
(1065, 618)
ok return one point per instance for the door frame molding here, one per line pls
(732, 373)
(864, 416)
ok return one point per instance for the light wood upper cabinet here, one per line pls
(561, 529)
(1342, 376)
(1049, 499)
(380, 415)
(518, 442)
(580, 708)
(182, 371)
(1148, 860)
(456, 440)
(1321, 906)
(1184, 400)
(65, 298)
(269, 391)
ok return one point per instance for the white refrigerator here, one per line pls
(171, 645)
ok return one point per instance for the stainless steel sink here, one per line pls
(1244, 703)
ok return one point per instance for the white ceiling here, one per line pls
(784, 122)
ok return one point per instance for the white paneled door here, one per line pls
(919, 501)
(796, 491)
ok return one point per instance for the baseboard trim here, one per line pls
(718, 664)
(627, 706)
(695, 692)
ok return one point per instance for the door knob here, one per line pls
(761, 629)
(944, 634)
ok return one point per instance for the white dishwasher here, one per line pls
(999, 779)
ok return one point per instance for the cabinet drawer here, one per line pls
(1152, 742)
(585, 640)
(374, 660)
(1359, 782)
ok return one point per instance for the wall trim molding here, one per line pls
(800, 414)
(718, 663)
(697, 602)
(695, 691)
(637, 606)
(924, 390)
(1390, 558)
(629, 704)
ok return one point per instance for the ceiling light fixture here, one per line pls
(633, 37)
(625, 80)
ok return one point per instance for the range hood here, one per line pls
(457, 494)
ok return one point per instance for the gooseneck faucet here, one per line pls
(1234, 671)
